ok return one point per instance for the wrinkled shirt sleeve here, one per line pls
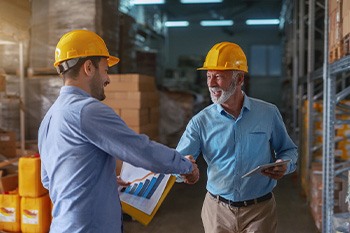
(282, 144)
(106, 130)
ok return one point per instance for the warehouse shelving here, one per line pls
(328, 82)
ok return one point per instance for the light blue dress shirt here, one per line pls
(80, 139)
(232, 147)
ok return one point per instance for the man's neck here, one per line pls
(77, 83)
(234, 104)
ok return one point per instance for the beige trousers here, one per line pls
(219, 217)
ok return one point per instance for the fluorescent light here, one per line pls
(200, 1)
(176, 24)
(262, 21)
(146, 2)
(211, 23)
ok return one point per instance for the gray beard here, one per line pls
(225, 94)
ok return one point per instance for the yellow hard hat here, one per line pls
(225, 56)
(82, 43)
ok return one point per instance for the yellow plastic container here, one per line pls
(29, 177)
(10, 212)
(35, 214)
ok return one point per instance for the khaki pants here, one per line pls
(219, 217)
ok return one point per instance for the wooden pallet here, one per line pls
(336, 52)
(37, 72)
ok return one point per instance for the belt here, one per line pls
(243, 203)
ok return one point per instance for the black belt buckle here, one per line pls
(243, 203)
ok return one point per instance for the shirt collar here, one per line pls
(74, 90)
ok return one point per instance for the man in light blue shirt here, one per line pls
(236, 134)
(80, 139)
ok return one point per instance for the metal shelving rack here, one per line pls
(307, 83)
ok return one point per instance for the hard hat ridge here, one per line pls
(225, 56)
(79, 44)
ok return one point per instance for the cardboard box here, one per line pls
(8, 183)
(346, 24)
(151, 130)
(332, 4)
(131, 82)
(131, 100)
(8, 144)
(136, 117)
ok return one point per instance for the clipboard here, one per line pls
(259, 168)
(142, 217)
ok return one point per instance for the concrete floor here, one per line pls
(180, 211)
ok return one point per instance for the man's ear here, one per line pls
(89, 68)
(240, 79)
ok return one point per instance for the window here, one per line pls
(265, 60)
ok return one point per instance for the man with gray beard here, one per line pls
(235, 134)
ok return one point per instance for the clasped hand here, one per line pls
(193, 177)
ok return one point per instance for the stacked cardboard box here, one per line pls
(14, 27)
(346, 26)
(135, 98)
(335, 30)
(127, 46)
(9, 114)
(51, 19)
(339, 29)
(8, 144)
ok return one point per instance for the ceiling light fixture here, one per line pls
(262, 21)
(213, 23)
(200, 1)
(176, 24)
(146, 2)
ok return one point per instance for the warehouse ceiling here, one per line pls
(236, 10)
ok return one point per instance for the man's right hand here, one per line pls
(192, 177)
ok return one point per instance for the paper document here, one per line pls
(258, 169)
(145, 189)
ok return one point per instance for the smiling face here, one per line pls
(100, 80)
(222, 85)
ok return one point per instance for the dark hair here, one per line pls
(74, 71)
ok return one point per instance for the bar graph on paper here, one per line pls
(145, 189)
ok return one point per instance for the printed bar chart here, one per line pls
(144, 188)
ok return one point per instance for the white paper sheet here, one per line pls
(145, 190)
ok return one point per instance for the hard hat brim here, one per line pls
(220, 68)
(112, 61)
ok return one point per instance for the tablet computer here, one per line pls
(259, 168)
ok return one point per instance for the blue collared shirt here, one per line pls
(79, 141)
(232, 147)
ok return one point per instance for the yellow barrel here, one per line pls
(10, 212)
(35, 214)
(29, 177)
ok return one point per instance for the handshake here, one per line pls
(193, 177)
